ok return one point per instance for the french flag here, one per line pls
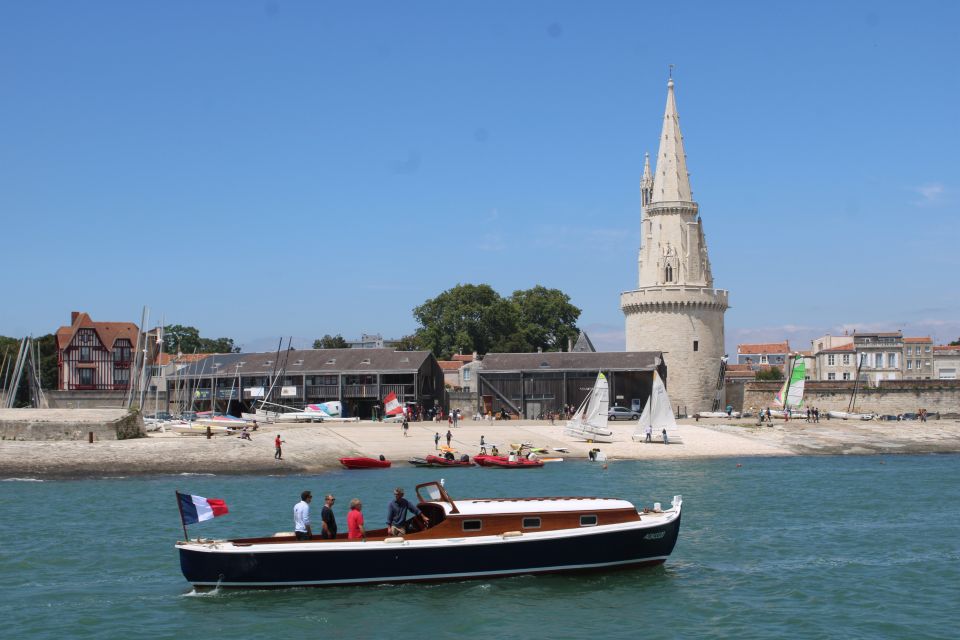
(194, 509)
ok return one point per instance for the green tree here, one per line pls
(955, 343)
(408, 343)
(773, 373)
(182, 339)
(472, 317)
(546, 318)
(331, 342)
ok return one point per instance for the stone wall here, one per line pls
(466, 401)
(889, 397)
(70, 424)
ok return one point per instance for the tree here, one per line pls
(546, 318)
(180, 339)
(408, 343)
(472, 317)
(331, 342)
(955, 343)
(774, 373)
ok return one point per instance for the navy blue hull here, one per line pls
(377, 562)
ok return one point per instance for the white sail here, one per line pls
(590, 420)
(657, 414)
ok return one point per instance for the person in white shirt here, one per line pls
(301, 517)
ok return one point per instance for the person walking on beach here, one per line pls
(436, 440)
(278, 454)
(455, 417)
(449, 437)
(649, 437)
(327, 520)
(301, 516)
(664, 434)
(355, 521)
(406, 426)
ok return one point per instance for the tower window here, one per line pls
(696, 345)
(669, 273)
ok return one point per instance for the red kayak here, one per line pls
(364, 463)
(438, 461)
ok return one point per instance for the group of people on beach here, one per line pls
(396, 517)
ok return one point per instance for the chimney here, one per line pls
(539, 349)
(569, 344)
(73, 317)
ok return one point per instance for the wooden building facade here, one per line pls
(95, 356)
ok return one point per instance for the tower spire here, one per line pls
(646, 182)
(672, 182)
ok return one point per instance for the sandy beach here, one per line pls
(312, 448)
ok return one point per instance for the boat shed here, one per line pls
(533, 384)
(359, 378)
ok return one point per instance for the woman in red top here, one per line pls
(355, 521)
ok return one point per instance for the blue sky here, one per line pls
(266, 169)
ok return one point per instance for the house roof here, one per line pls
(584, 344)
(565, 360)
(926, 340)
(307, 361)
(947, 347)
(463, 357)
(767, 347)
(845, 348)
(183, 358)
(107, 332)
(450, 365)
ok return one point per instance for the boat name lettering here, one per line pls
(654, 536)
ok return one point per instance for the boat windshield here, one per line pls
(434, 492)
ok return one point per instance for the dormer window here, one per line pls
(332, 361)
(365, 361)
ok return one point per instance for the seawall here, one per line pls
(70, 424)
(889, 397)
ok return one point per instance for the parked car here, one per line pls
(622, 413)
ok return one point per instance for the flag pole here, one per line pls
(182, 523)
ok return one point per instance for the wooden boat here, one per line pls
(364, 463)
(475, 538)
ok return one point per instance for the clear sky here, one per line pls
(266, 169)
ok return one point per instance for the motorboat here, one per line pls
(365, 463)
(478, 538)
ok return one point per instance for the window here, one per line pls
(927, 349)
(466, 374)
(588, 521)
(909, 364)
(846, 375)
(85, 354)
(121, 376)
(472, 525)
(892, 360)
(86, 377)
(831, 360)
(531, 523)
(878, 360)
(846, 358)
(696, 345)
(764, 360)
(926, 363)
(831, 376)
(669, 274)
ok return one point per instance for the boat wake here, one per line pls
(21, 480)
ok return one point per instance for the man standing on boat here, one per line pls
(301, 517)
(327, 520)
(397, 513)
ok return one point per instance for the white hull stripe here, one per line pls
(437, 576)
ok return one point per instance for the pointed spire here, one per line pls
(672, 183)
(646, 166)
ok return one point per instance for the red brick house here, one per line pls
(95, 356)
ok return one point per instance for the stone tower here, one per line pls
(675, 308)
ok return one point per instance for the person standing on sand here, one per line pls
(449, 437)
(664, 434)
(649, 437)
(278, 454)
(406, 426)
(436, 441)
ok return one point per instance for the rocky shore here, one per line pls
(314, 448)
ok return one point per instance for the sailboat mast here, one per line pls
(786, 394)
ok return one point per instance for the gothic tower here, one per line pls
(675, 308)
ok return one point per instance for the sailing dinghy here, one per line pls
(658, 415)
(590, 421)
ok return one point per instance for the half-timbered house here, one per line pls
(95, 356)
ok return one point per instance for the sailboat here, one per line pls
(590, 421)
(790, 396)
(657, 414)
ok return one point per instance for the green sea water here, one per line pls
(812, 547)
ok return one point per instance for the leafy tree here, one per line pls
(774, 373)
(546, 318)
(331, 342)
(180, 339)
(955, 343)
(408, 343)
(472, 317)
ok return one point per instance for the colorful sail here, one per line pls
(392, 406)
(792, 389)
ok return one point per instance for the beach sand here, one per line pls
(312, 448)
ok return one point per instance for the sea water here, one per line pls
(799, 547)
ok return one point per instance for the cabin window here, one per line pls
(531, 523)
(588, 521)
(472, 525)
